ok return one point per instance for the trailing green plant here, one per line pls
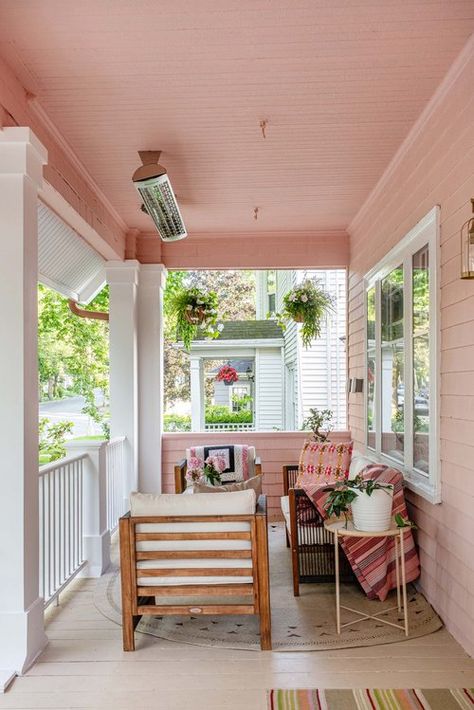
(342, 493)
(317, 420)
(308, 304)
(402, 522)
(192, 308)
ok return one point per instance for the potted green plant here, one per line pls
(317, 420)
(193, 308)
(369, 501)
(307, 303)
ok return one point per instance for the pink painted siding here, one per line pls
(275, 450)
(436, 166)
(267, 250)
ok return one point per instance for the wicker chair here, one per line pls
(312, 547)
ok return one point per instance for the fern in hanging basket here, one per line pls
(308, 304)
(192, 309)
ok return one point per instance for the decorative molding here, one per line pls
(418, 127)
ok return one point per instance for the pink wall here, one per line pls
(435, 166)
(275, 450)
(329, 249)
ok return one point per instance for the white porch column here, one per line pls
(122, 277)
(22, 635)
(197, 394)
(152, 281)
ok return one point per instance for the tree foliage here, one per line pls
(73, 352)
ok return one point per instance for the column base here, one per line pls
(23, 638)
(6, 678)
(97, 554)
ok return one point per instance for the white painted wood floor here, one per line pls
(84, 667)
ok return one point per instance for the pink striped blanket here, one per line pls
(372, 558)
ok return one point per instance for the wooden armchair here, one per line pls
(312, 547)
(255, 468)
(195, 554)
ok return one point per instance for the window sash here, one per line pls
(425, 233)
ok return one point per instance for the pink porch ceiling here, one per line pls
(339, 82)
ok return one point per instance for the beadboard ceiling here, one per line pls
(339, 82)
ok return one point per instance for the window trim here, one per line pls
(425, 232)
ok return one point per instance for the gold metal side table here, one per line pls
(339, 530)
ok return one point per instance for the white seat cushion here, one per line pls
(307, 535)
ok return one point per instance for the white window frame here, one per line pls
(425, 233)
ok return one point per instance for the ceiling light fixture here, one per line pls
(154, 187)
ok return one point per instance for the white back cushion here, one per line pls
(235, 503)
(358, 463)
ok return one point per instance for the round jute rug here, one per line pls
(305, 623)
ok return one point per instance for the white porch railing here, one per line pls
(114, 466)
(229, 427)
(61, 505)
(81, 498)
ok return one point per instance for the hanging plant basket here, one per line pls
(195, 317)
(191, 308)
(228, 375)
(308, 304)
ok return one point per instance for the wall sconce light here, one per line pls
(355, 385)
(467, 247)
(159, 200)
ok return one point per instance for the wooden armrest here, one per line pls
(258, 466)
(179, 476)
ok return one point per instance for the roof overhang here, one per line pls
(209, 346)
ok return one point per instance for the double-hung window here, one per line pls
(402, 358)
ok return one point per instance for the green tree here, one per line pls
(71, 349)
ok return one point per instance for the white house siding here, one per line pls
(221, 394)
(285, 281)
(323, 366)
(269, 389)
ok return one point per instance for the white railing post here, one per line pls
(96, 534)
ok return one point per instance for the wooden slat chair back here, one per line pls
(208, 557)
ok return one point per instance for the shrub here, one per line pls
(220, 414)
(176, 422)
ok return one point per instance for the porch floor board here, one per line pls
(84, 667)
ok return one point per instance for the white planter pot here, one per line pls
(372, 513)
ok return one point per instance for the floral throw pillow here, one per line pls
(324, 462)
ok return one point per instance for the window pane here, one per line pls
(421, 360)
(393, 354)
(371, 368)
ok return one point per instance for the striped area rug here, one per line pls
(372, 699)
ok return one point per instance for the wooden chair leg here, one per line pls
(294, 543)
(128, 632)
(263, 573)
(287, 537)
